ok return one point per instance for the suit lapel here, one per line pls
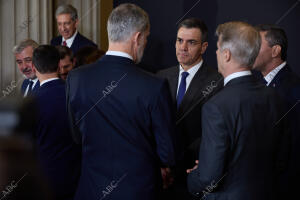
(195, 91)
(173, 78)
(276, 80)
(76, 42)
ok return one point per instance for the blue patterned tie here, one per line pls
(182, 88)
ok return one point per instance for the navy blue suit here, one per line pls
(25, 85)
(287, 84)
(79, 42)
(59, 156)
(241, 149)
(122, 116)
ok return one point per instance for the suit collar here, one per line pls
(241, 80)
(279, 76)
(117, 59)
(52, 83)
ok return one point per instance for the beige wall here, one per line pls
(21, 19)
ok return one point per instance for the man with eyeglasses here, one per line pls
(192, 83)
(23, 53)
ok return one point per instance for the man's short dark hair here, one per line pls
(195, 23)
(64, 51)
(275, 36)
(46, 59)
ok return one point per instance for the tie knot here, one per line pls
(64, 43)
(184, 74)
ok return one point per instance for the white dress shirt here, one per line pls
(192, 71)
(270, 76)
(47, 80)
(236, 75)
(119, 53)
(70, 40)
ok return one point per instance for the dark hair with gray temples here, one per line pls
(242, 39)
(124, 20)
(67, 9)
(275, 36)
(195, 23)
(24, 44)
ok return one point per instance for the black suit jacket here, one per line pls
(79, 42)
(206, 82)
(242, 131)
(287, 85)
(60, 157)
(122, 117)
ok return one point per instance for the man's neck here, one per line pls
(272, 65)
(122, 47)
(44, 77)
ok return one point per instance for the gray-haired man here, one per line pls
(23, 53)
(67, 22)
(122, 116)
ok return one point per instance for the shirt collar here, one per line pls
(270, 76)
(48, 80)
(193, 70)
(119, 53)
(236, 75)
(70, 40)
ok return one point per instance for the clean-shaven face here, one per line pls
(66, 26)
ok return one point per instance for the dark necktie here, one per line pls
(182, 88)
(264, 81)
(64, 43)
(30, 87)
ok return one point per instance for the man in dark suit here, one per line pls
(201, 83)
(67, 22)
(122, 116)
(59, 156)
(271, 62)
(242, 125)
(23, 53)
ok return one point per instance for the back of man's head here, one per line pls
(46, 59)
(275, 36)
(241, 39)
(125, 20)
(195, 23)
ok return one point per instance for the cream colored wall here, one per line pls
(21, 19)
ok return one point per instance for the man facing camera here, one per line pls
(122, 116)
(23, 53)
(191, 84)
(67, 22)
(242, 125)
(66, 62)
(59, 156)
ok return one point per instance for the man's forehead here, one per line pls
(189, 33)
(64, 17)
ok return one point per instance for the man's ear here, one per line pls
(76, 23)
(276, 51)
(204, 47)
(137, 37)
(226, 55)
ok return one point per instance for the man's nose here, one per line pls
(184, 46)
